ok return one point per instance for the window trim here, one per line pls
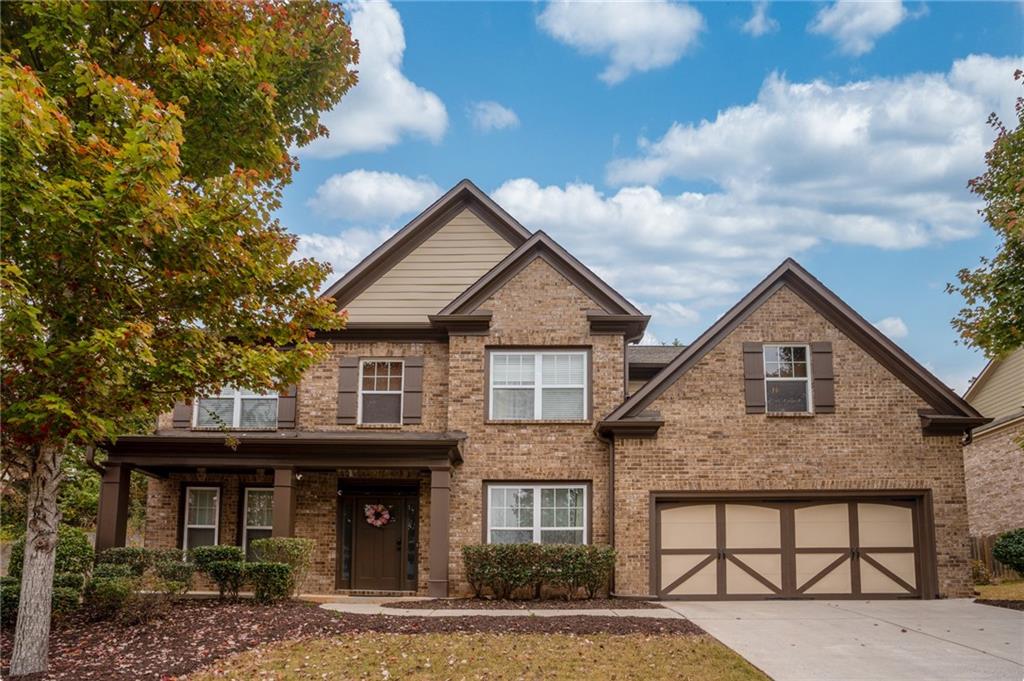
(185, 526)
(808, 379)
(236, 408)
(536, 485)
(538, 385)
(360, 392)
(244, 520)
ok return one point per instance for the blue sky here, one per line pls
(683, 150)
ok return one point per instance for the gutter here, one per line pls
(90, 460)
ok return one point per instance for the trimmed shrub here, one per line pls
(175, 575)
(205, 556)
(136, 558)
(105, 597)
(271, 582)
(505, 569)
(142, 607)
(112, 571)
(292, 551)
(1009, 550)
(74, 552)
(228, 575)
(167, 555)
(65, 600)
(9, 595)
(8, 580)
(69, 580)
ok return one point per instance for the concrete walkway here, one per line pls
(374, 606)
(942, 640)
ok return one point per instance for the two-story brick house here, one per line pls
(486, 390)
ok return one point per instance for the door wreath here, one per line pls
(377, 515)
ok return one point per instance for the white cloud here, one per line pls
(893, 327)
(759, 22)
(881, 162)
(636, 36)
(341, 251)
(671, 312)
(370, 195)
(488, 116)
(855, 24)
(384, 106)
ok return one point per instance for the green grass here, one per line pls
(1006, 591)
(490, 656)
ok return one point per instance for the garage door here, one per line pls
(857, 548)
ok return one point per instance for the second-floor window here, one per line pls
(238, 409)
(380, 391)
(538, 386)
(787, 378)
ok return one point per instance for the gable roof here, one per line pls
(540, 245)
(463, 196)
(942, 399)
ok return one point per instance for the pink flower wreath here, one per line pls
(377, 515)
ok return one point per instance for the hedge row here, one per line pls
(506, 569)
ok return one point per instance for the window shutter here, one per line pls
(182, 417)
(753, 377)
(348, 387)
(821, 374)
(412, 389)
(286, 407)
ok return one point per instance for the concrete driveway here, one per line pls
(942, 640)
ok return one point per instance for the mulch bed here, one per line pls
(197, 633)
(546, 604)
(1012, 605)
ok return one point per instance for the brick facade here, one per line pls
(994, 465)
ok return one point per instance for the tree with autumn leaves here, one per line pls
(145, 146)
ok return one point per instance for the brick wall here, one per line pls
(994, 467)
(708, 442)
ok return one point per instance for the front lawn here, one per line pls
(490, 656)
(1007, 591)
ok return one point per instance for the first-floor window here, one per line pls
(202, 513)
(536, 513)
(259, 517)
(239, 409)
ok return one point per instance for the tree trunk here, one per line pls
(32, 635)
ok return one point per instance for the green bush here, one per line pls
(74, 552)
(271, 582)
(204, 556)
(228, 575)
(292, 551)
(69, 580)
(1009, 550)
(980, 574)
(167, 555)
(9, 595)
(505, 569)
(8, 580)
(135, 558)
(65, 600)
(105, 597)
(112, 571)
(176, 575)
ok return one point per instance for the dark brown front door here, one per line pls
(377, 550)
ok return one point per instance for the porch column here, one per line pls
(284, 503)
(112, 520)
(440, 493)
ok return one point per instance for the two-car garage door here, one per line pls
(816, 548)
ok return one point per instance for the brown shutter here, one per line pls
(412, 388)
(286, 407)
(753, 377)
(821, 374)
(348, 387)
(182, 417)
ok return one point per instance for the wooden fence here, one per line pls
(981, 549)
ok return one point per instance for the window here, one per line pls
(538, 386)
(202, 513)
(380, 391)
(539, 514)
(787, 380)
(240, 409)
(259, 517)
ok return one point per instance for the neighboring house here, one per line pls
(994, 461)
(485, 391)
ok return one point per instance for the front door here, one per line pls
(377, 552)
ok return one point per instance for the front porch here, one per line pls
(209, 487)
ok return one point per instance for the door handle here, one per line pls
(398, 545)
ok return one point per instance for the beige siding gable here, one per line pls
(434, 273)
(1002, 391)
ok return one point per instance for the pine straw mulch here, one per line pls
(198, 632)
(508, 604)
(1012, 605)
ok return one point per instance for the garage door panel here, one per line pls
(888, 573)
(837, 578)
(752, 527)
(822, 526)
(762, 576)
(885, 525)
(689, 575)
(689, 527)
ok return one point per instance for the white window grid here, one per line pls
(538, 385)
(237, 395)
(400, 392)
(194, 526)
(537, 527)
(807, 378)
(245, 515)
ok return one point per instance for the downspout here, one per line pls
(610, 441)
